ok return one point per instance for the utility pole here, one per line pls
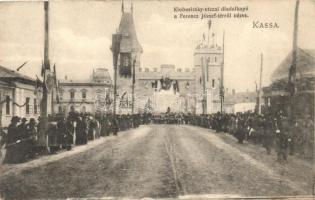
(46, 65)
(260, 80)
(204, 100)
(222, 77)
(292, 71)
(133, 85)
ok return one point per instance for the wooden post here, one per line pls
(133, 85)
(260, 81)
(44, 101)
(292, 70)
(222, 77)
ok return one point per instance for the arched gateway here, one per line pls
(183, 90)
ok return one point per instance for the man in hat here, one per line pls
(12, 154)
(32, 134)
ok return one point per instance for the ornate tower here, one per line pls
(128, 55)
(208, 64)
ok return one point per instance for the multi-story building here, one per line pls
(86, 96)
(196, 90)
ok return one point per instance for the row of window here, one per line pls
(63, 109)
(27, 105)
(72, 94)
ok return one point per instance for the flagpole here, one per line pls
(292, 71)
(260, 80)
(203, 85)
(222, 76)
(133, 86)
(44, 102)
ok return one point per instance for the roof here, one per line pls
(240, 97)
(6, 84)
(305, 65)
(171, 75)
(87, 82)
(127, 28)
(11, 75)
(101, 75)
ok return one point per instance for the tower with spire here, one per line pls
(129, 54)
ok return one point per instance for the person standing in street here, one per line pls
(12, 154)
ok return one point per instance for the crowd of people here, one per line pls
(272, 131)
(23, 140)
(276, 131)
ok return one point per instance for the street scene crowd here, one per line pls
(22, 137)
(272, 131)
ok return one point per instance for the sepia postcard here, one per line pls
(157, 99)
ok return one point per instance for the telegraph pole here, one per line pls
(46, 65)
(133, 85)
(222, 77)
(260, 80)
(292, 71)
(204, 100)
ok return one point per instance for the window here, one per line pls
(213, 83)
(60, 109)
(27, 105)
(215, 59)
(83, 110)
(35, 106)
(60, 95)
(72, 94)
(126, 61)
(83, 94)
(7, 105)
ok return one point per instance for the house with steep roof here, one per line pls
(276, 95)
(19, 96)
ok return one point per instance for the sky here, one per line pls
(80, 36)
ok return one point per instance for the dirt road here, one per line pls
(157, 161)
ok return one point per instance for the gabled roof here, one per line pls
(11, 75)
(305, 65)
(129, 40)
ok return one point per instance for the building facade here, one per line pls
(19, 96)
(182, 90)
(240, 101)
(92, 95)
